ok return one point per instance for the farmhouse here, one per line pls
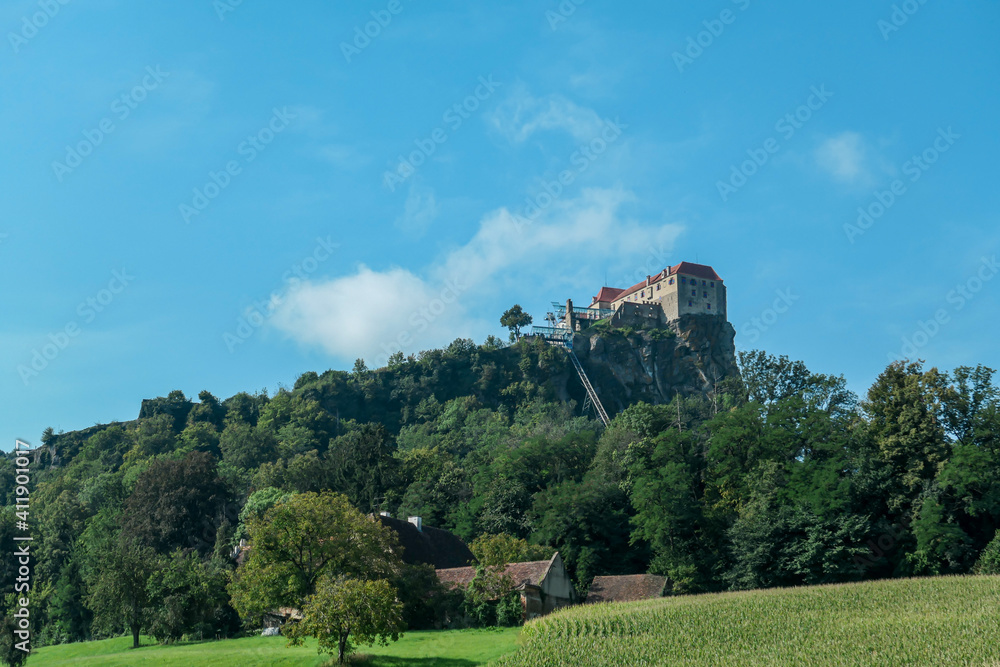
(426, 545)
(544, 585)
(626, 588)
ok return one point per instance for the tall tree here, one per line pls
(177, 504)
(119, 596)
(302, 539)
(515, 319)
(344, 609)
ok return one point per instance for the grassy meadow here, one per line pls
(934, 621)
(937, 621)
(451, 648)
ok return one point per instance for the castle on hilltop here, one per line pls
(683, 289)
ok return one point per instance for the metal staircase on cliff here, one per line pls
(591, 394)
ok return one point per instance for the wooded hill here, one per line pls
(779, 477)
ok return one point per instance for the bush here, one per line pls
(989, 559)
(509, 611)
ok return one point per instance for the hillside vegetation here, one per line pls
(941, 621)
(777, 477)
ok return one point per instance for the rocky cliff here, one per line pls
(686, 356)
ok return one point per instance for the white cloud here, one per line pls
(844, 157)
(522, 114)
(419, 211)
(371, 314)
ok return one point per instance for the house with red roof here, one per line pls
(544, 585)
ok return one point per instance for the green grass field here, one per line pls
(939, 621)
(451, 648)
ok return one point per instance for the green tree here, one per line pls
(906, 437)
(588, 522)
(344, 610)
(361, 465)
(246, 447)
(671, 516)
(119, 597)
(302, 539)
(499, 550)
(515, 319)
(190, 595)
(177, 503)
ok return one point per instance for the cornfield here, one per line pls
(936, 621)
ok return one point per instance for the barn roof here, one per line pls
(626, 588)
(529, 573)
(432, 546)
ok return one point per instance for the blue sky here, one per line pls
(223, 195)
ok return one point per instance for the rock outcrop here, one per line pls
(687, 356)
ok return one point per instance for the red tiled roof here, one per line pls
(459, 576)
(607, 294)
(626, 588)
(530, 573)
(640, 285)
(697, 270)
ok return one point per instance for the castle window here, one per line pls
(706, 294)
(657, 287)
(690, 304)
(684, 281)
(712, 284)
(710, 306)
(694, 292)
(703, 283)
(671, 281)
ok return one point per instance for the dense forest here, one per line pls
(781, 477)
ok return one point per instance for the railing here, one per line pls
(559, 334)
(584, 313)
(590, 389)
(564, 337)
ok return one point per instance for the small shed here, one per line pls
(544, 585)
